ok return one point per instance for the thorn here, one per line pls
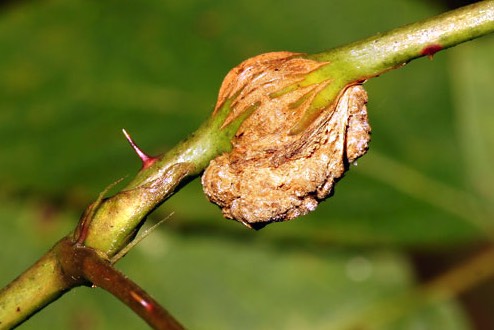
(137, 240)
(146, 160)
(430, 50)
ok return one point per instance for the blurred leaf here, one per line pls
(471, 74)
(229, 283)
(74, 73)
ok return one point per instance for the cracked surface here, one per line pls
(271, 175)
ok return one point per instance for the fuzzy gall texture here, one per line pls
(273, 175)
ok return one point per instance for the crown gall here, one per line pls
(272, 175)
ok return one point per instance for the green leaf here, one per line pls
(471, 69)
(74, 73)
(220, 283)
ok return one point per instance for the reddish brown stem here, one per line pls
(102, 274)
(84, 266)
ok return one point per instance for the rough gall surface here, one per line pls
(272, 175)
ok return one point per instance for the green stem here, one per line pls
(392, 49)
(364, 59)
(110, 224)
(38, 286)
(116, 220)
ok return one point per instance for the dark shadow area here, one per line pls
(8, 4)
(476, 301)
(451, 4)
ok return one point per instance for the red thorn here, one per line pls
(146, 159)
(430, 50)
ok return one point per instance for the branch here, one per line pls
(373, 56)
(87, 267)
(110, 224)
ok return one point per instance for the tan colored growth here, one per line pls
(272, 175)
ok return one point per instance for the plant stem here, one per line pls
(117, 219)
(364, 59)
(392, 49)
(38, 286)
(110, 224)
(101, 274)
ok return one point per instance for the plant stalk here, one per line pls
(37, 287)
(110, 224)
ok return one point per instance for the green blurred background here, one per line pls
(74, 73)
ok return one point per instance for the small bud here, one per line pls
(272, 174)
